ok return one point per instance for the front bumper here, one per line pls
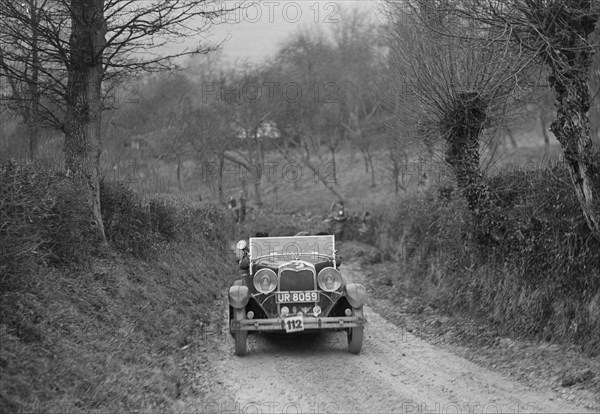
(310, 323)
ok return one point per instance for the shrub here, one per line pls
(126, 222)
(163, 219)
(139, 225)
(541, 279)
(44, 220)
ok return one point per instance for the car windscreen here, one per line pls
(311, 248)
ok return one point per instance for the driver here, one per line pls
(244, 261)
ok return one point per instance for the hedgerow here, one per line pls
(541, 279)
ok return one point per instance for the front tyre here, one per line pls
(240, 337)
(355, 335)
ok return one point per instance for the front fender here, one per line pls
(239, 296)
(356, 295)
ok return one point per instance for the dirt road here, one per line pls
(396, 372)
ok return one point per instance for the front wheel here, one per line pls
(355, 335)
(240, 337)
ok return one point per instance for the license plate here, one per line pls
(297, 297)
(294, 324)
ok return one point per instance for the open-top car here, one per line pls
(293, 284)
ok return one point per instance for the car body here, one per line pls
(293, 284)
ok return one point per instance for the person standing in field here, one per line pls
(338, 214)
(242, 208)
(232, 206)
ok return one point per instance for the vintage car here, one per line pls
(290, 285)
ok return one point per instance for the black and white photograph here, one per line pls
(299, 206)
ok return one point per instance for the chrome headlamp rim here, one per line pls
(333, 272)
(256, 280)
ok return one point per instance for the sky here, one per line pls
(254, 33)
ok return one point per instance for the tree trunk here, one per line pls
(179, 178)
(396, 176)
(595, 123)
(572, 129)
(221, 193)
(33, 116)
(365, 159)
(464, 128)
(257, 195)
(332, 150)
(84, 107)
(544, 125)
(463, 156)
(33, 130)
(372, 169)
(511, 137)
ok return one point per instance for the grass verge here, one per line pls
(541, 281)
(103, 332)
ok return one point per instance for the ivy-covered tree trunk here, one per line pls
(572, 129)
(462, 154)
(84, 107)
(462, 128)
(570, 66)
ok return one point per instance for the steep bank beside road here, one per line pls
(110, 338)
(86, 327)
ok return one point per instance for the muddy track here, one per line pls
(395, 372)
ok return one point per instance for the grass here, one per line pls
(540, 281)
(105, 333)
(109, 337)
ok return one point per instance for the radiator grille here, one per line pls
(293, 280)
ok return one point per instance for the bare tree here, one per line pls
(95, 40)
(359, 123)
(307, 116)
(557, 34)
(356, 65)
(251, 107)
(212, 136)
(452, 88)
(30, 63)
